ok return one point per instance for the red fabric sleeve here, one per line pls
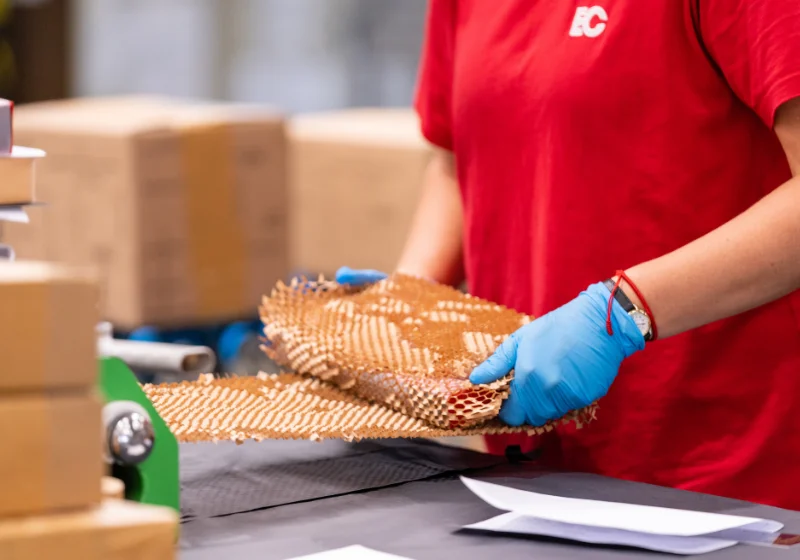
(756, 44)
(435, 81)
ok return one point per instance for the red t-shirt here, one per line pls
(592, 136)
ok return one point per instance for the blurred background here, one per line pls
(300, 55)
(199, 151)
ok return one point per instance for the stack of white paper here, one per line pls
(14, 214)
(610, 523)
(355, 552)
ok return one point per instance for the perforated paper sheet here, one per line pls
(390, 360)
(404, 342)
(291, 406)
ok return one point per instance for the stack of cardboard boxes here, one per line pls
(52, 466)
(181, 205)
(192, 211)
(50, 428)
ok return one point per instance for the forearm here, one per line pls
(433, 248)
(751, 260)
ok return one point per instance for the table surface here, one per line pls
(283, 499)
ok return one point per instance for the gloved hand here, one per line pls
(562, 361)
(346, 275)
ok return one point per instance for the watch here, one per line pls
(640, 318)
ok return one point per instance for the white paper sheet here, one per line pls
(355, 552)
(521, 524)
(612, 515)
(14, 214)
(24, 152)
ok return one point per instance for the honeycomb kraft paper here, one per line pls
(389, 360)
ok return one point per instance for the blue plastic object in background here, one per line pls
(231, 340)
(238, 347)
(145, 334)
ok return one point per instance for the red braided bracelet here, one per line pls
(620, 277)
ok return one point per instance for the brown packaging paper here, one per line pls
(291, 406)
(391, 360)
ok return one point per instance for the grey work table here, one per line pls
(277, 500)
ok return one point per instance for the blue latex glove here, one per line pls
(562, 361)
(346, 275)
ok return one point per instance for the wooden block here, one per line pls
(51, 450)
(116, 530)
(48, 316)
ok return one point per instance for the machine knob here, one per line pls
(130, 438)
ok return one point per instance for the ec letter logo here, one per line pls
(589, 22)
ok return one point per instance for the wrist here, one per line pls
(627, 293)
(628, 290)
(617, 328)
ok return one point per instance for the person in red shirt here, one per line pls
(656, 137)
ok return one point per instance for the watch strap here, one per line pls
(625, 302)
(620, 296)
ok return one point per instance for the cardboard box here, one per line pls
(51, 453)
(355, 179)
(48, 319)
(181, 205)
(18, 170)
(116, 530)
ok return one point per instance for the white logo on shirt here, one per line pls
(584, 24)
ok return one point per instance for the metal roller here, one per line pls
(129, 434)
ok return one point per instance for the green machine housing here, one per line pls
(140, 448)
